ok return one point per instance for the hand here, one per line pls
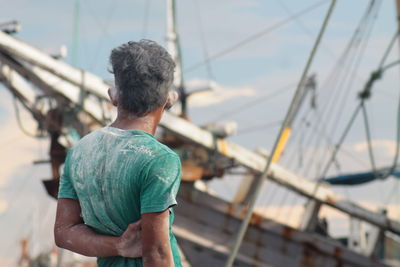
(130, 242)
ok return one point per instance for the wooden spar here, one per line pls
(398, 20)
(95, 85)
(281, 139)
(17, 83)
(175, 51)
(173, 43)
(398, 16)
(41, 78)
(276, 173)
(25, 52)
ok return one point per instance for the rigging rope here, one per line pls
(354, 42)
(363, 42)
(364, 95)
(18, 117)
(257, 35)
(369, 141)
(396, 157)
(251, 104)
(341, 140)
(322, 118)
(259, 127)
(102, 26)
(294, 102)
(363, 34)
(349, 77)
(388, 49)
(304, 28)
(210, 74)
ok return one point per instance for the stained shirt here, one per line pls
(117, 175)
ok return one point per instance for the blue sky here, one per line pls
(254, 70)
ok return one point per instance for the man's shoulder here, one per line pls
(140, 143)
(84, 141)
(161, 150)
(86, 138)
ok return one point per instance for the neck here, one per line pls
(128, 121)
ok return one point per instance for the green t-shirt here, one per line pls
(117, 175)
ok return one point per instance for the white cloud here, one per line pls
(388, 147)
(217, 95)
(3, 205)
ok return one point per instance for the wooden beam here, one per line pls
(16, 82)
(35, 56)
(47, 69)
(42, 78)
(398, 13)
(256, 162)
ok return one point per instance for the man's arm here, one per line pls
(71, 233)
(155, 236)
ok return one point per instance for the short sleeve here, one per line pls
(160, 184)
(66, 189)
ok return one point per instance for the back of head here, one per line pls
(143, 73)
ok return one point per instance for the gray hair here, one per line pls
(143, 72)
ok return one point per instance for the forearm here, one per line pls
(81, 239)
(158, 258)
(156, 244)
(71, 233)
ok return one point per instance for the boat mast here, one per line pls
(281, 140)
(174, 49)
(398, 17)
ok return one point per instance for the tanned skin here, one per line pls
(152, 242)
(156, 247)
(71, 233)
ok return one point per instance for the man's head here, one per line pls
(143, 73)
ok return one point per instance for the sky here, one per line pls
(253, 84)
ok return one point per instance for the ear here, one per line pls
(171, 99)
(113, 94)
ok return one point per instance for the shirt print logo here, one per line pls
(137, 149)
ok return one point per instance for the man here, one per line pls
(120, 176)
